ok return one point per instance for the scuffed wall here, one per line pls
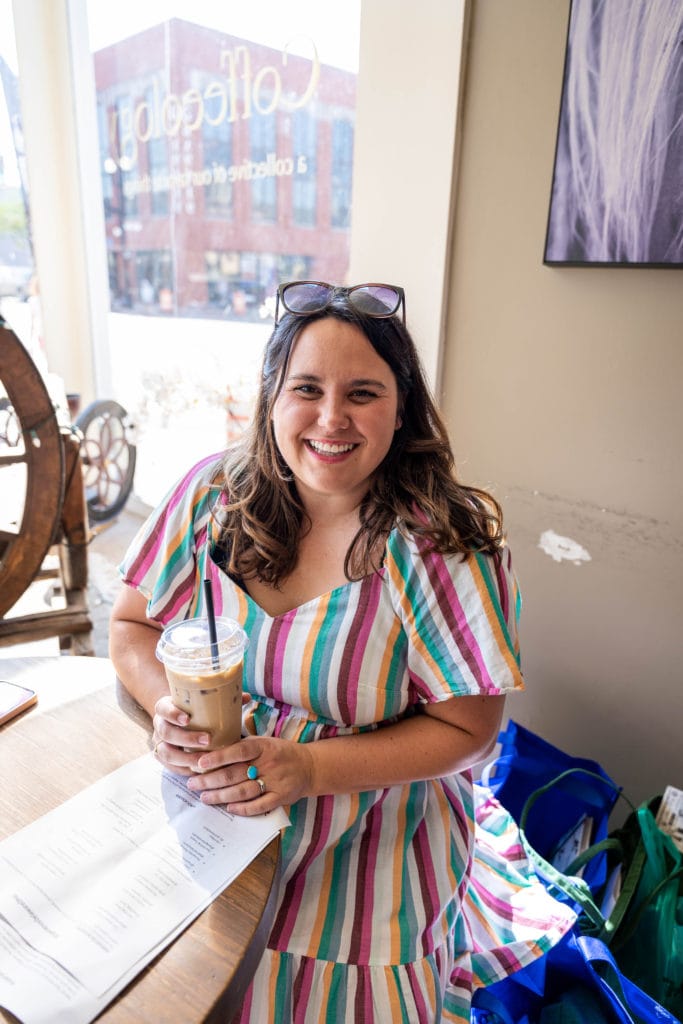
(561, 387)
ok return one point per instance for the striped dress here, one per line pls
(394, 903)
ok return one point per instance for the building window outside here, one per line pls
(157, 161)
(127, 179)
(263, 146)
(305, 146)
(342, 172)
(157, 165)
(217, 148)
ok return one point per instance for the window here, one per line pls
(262, 168)
(304, 187)
(342, 170)
(156, 158)
(217, 153)
(168, 76)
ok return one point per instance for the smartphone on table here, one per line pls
(14, 699)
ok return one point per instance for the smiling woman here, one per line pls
(336, 413)
(381, 608)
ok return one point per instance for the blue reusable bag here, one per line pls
(643, 923)
(527, 762)
(576, 982)
(644, 929)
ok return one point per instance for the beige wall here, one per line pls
(562, 390)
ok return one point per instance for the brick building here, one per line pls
(226, 167)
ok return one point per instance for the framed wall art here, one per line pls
(617, 191)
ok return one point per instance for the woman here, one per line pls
(381, 607)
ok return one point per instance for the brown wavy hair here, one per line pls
(414, 488)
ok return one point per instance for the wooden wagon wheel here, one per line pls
(26, 536)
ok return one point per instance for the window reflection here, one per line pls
(226, 157)
(224, 161)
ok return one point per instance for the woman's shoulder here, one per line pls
(208, 472)
(421, 576)
(408, 553)
(198, 482)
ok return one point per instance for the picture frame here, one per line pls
(617, 188)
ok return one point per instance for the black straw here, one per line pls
(210, 614)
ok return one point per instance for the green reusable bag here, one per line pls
(648, 946)
(644, 928)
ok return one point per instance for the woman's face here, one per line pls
(337, 411)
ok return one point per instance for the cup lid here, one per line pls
(186, 645)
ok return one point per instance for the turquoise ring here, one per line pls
(252, 772)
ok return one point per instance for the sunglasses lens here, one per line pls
(375, 299)
(306, 296)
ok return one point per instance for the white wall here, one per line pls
(562, 390)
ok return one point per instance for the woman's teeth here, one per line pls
(330, 449)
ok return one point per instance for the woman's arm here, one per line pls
(449, 736)
(132, 643)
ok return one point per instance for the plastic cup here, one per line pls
(206, 682)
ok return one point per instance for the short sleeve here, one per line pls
(460, 618)
(163, 559)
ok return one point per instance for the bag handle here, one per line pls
(533, 797)
(614, 982)
(571, 885)
(629, 883)
(493, 1010)
(577, 890)
(496, 773)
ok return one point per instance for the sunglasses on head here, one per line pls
(305, 297)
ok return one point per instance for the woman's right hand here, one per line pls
(176, 745)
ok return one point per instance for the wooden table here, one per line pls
(84, 726)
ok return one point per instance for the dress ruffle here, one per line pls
(508, 920)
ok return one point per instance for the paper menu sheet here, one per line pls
(92, 891)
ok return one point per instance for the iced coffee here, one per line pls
(205, 677)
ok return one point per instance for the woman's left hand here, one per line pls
(255, 775)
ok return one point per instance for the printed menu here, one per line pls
(96, 888)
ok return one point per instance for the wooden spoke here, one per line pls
(41, 449)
